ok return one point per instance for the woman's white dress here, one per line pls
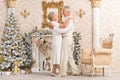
(56, 44)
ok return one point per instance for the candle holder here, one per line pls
(80, 13)
(25, 13)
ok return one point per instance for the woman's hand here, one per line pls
(51, 26)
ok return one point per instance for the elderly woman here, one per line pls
(57, 40)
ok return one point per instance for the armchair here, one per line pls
(100, 57)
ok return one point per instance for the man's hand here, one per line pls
(70, 18)
(51, 26)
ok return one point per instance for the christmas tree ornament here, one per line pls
(16, 69)
(1, 58)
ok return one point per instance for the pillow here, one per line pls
(107, 44)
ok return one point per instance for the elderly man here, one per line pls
(57, 40)
(67, 45)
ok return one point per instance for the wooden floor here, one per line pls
(44, 75)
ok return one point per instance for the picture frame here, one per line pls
(51, 7)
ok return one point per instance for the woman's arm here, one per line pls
(51, 26)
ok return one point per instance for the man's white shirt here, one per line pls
(68, 30)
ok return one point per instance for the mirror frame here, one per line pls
(46, 5)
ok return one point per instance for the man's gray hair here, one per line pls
(51, 15)
(67, 8)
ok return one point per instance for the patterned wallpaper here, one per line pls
(110, 23)
(109, 20)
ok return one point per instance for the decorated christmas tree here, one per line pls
(13, 48)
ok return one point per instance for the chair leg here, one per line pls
(81, 69)
(103, 71)
(43, 66)
(92, 71)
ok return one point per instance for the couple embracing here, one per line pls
(62, 43)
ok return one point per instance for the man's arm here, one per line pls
(64, 30)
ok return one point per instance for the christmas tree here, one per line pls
(13, 47)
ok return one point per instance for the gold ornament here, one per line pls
(14, 20)
(7, 24)
(9, 60)
(16, 69)
(14, 46)
(24, 60)
(10, 54)
(80, 13)
(20, 51)
(9, 31)
(1, 58)
(25, 13)
(95, 3)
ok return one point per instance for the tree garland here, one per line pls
(76, 52)
(76, 36)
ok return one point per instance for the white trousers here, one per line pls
(67, 57)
